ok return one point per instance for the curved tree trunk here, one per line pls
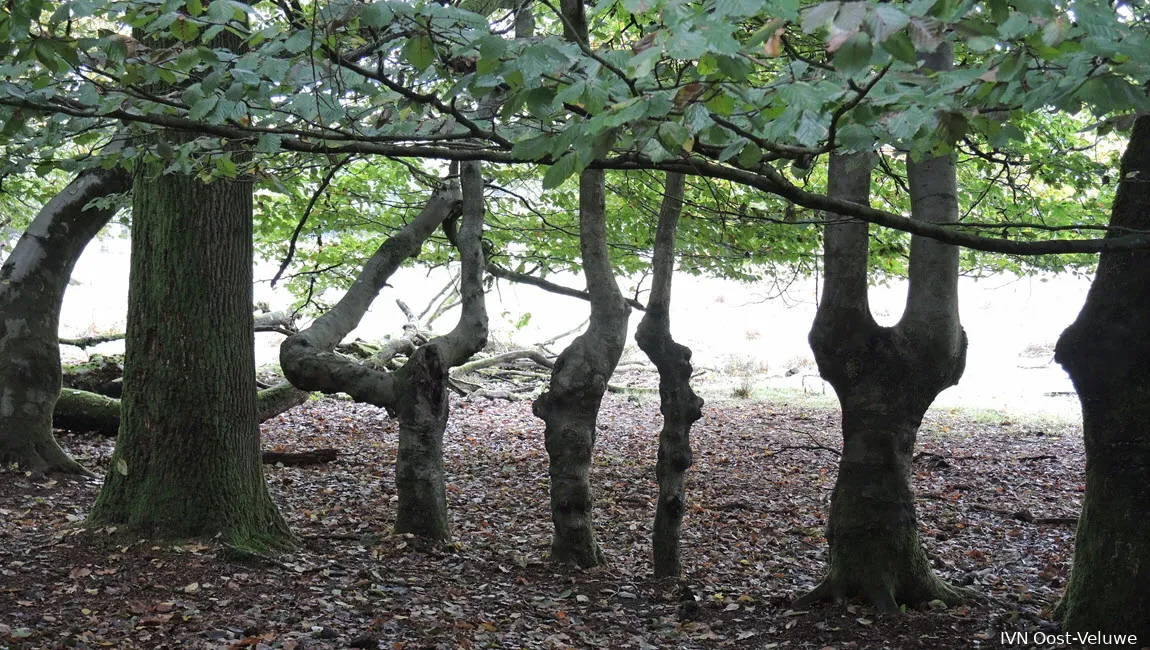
(187, 459)
(32, 284)
(1106, 352)
(680, 406)
(422, 414)
(417, 391)
(885, 378)
(570, 406)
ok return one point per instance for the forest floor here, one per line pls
(753, 540)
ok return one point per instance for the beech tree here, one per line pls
(1106, 353)
(32, 284)
(680, 406)
(886, 378)
(417, 392)
(187, 459)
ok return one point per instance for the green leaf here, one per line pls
(900, 47)
(298, 42)
(122, 466)
(419, 52)
(376, 14)
(195, 7)
(560, 171)
(750, 155)
(854, 55)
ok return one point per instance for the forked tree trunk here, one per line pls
(419, 477)
(570, 406)
(187, 459)
(885, 378)
(417, 391)
(680, 406)
(32, 284)
(1107, 353)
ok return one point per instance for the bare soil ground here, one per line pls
(759, 496)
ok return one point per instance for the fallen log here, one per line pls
(78, 410)
(534, 355)
(299, 458)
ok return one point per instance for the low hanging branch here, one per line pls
(547, 285)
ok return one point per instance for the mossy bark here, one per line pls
(187, 459)
(78, 410)
(32, 284)
(1107, 353)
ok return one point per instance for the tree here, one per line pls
(32, 284)
(885, 379)
(187, 459)
(1105, 352)
(680, 406)
(417, 392)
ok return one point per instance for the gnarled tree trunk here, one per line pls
(417, 391)
(32, 284)
(1107, 354)
(570, 406)
(885, 378)
(187, 459)
(680, 406)
(419, 476)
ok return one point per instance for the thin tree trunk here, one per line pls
(680, 406)
(885, 378)
(419, 476)
(32, 284)
(570, 406)
(1107, 354)
(187, 459)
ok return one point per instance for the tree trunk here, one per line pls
(1106, 352)
(422, 413)
(187, 459)
(680, 406)
(570, 406)
(885, 378)
(32, 284)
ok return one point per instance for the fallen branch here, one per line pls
(534, 355)
(85, 342)
(295, 459)
(1026, 515)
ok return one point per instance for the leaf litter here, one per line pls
(752, 541)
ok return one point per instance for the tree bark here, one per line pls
(187, 458)
(419, 476)
(1106, 353)
(885, 378)
(680, 406)
(32, 284)
(570, 406)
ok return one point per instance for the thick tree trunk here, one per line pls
(1107, 354)
(680, 406)
(78, 410)
(885, 378)
(419, 477)
(187, 459)
(570, 406)
(32, 284)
